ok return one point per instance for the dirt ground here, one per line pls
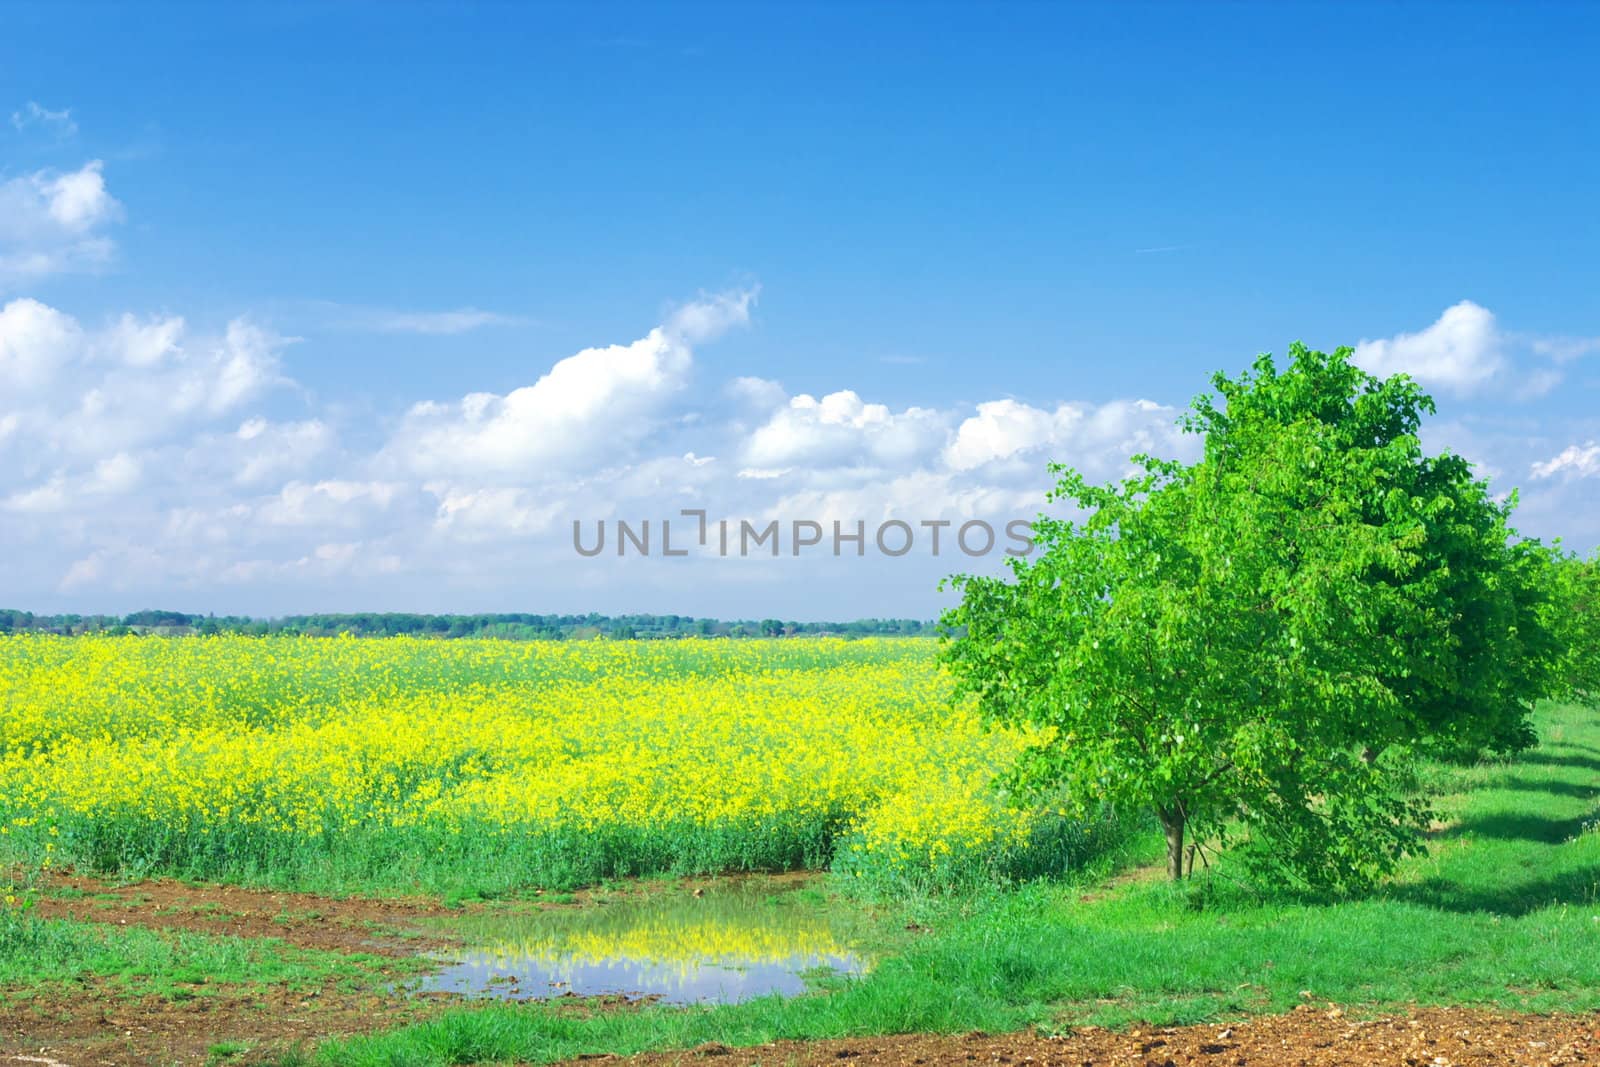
(95, 1026)
(379, 927)
(1311, 1037)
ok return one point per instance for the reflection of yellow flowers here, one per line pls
(675, 943)
(225, 743)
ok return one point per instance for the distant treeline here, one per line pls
(513, 627)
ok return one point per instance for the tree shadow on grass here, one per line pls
(1562, 759)
(1576, 790)
(1519, 826)
(1578, 886)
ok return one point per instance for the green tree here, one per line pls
(1256, 646)
(1574, 613)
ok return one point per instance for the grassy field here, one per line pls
(260, 761)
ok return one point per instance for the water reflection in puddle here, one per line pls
(742, 940)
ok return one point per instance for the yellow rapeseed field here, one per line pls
(418, 763)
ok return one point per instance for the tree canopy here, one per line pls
(1256, 645)
(1574, 612)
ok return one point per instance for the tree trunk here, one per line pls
(1172, 824)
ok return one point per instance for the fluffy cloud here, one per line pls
(36, 341)
(53, 223)
(326, 504)
(1574, 462)
(589, 406)
(1460, 352)
(842, 430)
(87, 413)
(487, 514)
(1078, 434)
(261, 450)
(148, 459)
(132, 399)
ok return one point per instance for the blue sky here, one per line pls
(358, 209)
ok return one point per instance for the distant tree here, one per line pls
(1574, 588)
(1257, 646)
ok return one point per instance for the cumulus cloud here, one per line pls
(261, 450)
(53, 223)
(1077, 434)
(153, 454)
(479, 514)
(1575, 461)
(840, 430)
(588, 406)
(127, 401)
(78, 405)
(760, 394)
(36, 341)
(336, 502)
(1460, 352)
(142, 343)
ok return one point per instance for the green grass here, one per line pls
(1504, 911)
(53, 955)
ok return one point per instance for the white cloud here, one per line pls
(158, 460)
(36, 341)
(67, 391)
(197, 381)
(142, 343)
(52, 496)
(1461, 351)
(1097, 440)
(51, 222)
(712, 315)
(841, 430)
(59, 123)
(592, 404)
(759, 393)
(1566, 349)
(117, 474)
(1002, 428)
(261, 450)
(114, 475)
(326, 504)
(434, 323)
(475, 514)
(1574, 462)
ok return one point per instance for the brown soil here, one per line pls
(379, 927)
(97, 1024)
(1435, 1037)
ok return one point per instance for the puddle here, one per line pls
(742, 939)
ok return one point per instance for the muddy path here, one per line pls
(305, 920)
(99, 1024)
